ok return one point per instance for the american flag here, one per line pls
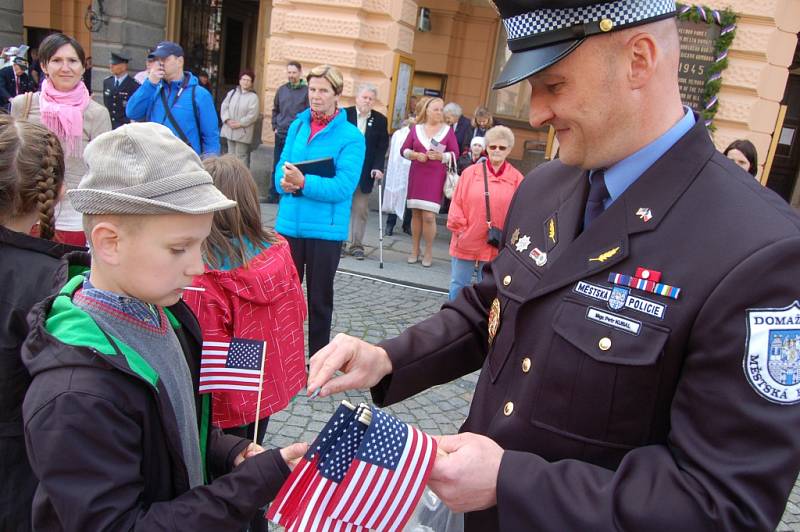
(234, 365)
(357, 477)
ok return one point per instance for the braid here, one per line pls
(48, 185)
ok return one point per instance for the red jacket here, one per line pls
(263, 301)
(467, 215)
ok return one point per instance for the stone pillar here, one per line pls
(360, 37)
(10, 23)
(132, 27)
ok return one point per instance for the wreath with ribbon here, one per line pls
(726, 20)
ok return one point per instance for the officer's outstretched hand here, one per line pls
(362, 363)
(464, 475)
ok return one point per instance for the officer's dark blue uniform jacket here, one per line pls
(613, 415)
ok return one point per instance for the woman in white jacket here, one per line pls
(239, 113)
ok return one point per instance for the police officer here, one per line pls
(117, 88)
(636, 332)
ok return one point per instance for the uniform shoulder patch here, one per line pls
(772, 353)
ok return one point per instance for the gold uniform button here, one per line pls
(526, 365)
(506, 280)
(508, 408)
(606, 25)
(604, 344)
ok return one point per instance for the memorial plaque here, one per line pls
(697, 57)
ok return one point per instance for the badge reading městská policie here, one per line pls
(772, 353)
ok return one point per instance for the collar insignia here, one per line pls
(515, 236)
(550, 233)
(645, 214)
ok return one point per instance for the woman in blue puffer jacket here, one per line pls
(314, 211)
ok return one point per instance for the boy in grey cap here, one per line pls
(116, 431)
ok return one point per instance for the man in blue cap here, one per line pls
(171, 97)
(637, 332)
(117, 89)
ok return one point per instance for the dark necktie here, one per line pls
(116, 84)
(597, 194)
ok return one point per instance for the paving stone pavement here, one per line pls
(374, 310)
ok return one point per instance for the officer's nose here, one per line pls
(540, 112)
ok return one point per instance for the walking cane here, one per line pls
(380, 222)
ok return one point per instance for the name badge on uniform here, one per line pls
(619, 297)
(614, 320)
(772, 353)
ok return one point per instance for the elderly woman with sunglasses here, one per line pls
(467, 216)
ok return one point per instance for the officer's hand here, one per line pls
(376, 174)
(465, 478)
(293, 453)
(363, 365)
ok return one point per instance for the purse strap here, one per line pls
(486, 195)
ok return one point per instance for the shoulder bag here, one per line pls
(451, 180)
(495, 234)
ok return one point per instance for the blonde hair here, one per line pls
(422, 108)
(499, 132)
(31, 172)
(232, 227)
(329, 73)
(482, 112)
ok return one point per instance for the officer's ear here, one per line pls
(642, 55)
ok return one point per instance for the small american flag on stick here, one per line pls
(357, 477)
(233, 365)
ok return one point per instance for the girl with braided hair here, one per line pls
(31, 183)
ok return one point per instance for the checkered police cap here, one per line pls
(542, 32)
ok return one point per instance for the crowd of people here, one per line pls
(134, 253)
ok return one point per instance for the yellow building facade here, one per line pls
(455, 48)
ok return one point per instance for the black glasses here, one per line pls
(496, 147)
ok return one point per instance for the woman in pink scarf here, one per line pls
(65, 107)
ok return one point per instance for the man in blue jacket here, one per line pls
(174, 98)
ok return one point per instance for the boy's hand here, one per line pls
(293, 453)
(249, 451)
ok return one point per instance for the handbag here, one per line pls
(495, 234)
(451, 179)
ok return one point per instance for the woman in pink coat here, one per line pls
(467, 217)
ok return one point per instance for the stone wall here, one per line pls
(360, 37)
(10, 23)
(132, 27)
(755, 80)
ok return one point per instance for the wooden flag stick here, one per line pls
(260, 390)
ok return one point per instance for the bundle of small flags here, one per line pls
(365, 471)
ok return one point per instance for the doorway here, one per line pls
(785, 172)
(220, 37)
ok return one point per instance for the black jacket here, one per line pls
(613, 414)
(8, 86)
(116, 98)
(464, 133)
(31, 269)
(376, 137)
(103, 440)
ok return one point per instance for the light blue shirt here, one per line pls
(624, 173)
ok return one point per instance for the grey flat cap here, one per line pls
(143, 168)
